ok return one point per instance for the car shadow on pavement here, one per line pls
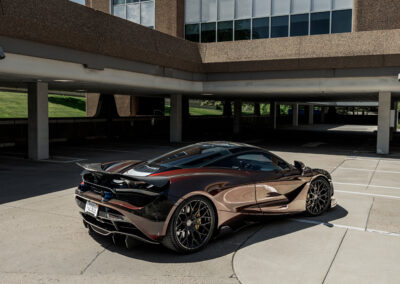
(229, 242)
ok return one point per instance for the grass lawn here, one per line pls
(15, 105)
(197, 111)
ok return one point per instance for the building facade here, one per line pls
(292, 52)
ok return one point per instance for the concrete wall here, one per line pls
(100, 5)
(170, 17)
(169, 14)
(376, 15)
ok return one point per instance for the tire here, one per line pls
(191, 226)
(318, 197)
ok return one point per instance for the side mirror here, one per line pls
(300, 166)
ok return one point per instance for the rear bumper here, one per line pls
(101, 228)
(110, 222)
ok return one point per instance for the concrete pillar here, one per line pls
(38, 121)
(257, 111)
(272, 114)
(295, 112)
(383, 139)
(176, 119)
(396, 115)
(311, 114)
(322, 114)
(227, 108)
(237, 113)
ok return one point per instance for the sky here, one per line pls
(79, 1)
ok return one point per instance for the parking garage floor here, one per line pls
(42, 238)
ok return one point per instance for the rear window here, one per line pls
(192, 156)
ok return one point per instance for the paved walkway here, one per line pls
(42, 238)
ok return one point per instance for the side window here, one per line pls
(280, 163)
(256, 161)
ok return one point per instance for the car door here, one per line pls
(274, 180)
(237, 191)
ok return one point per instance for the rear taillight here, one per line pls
(83, 186)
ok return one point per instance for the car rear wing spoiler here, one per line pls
(96, 168)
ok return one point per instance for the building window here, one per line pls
(192, 32)
(320, 23)
(242, 29)
(137, 11)
(341, 21)
(279, 26)
(208, 32)
(299, 25)
(257, 19)
(260, 28)
(225, 31)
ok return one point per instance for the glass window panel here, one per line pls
(192, 32)
(208, 10)
(192, 11)
(299, 25)
(120, 11)
(320, 5)
(280, 7)
(279, 26)
(132, 1)
(342, 4)
(242, 29)
(261, 8)
(226, 9)
(225, 31)
(133, 13)
(260, 28)
(243, 9)
(341, 21)
(208, 32)
(116, 2)
(320, 23)
(147, 13)
(300, 6)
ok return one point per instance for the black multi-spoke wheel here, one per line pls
(191, 226)
(318, 197)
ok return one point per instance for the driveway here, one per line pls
(43, 240)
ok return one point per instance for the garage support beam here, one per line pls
(383, 139)
(311, 114)
(237, 113)
(38, 121)
(295, 112)
(257, 111)
(273, 113)
(176, 119)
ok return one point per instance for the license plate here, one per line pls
(91, 208)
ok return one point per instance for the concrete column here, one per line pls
(176, 119)
(396, 116)
(257, 111)
(295, 112)
(322, 114)
(383, 139)
(38, 121)
(227, 108)
(272, 114)
(311, 114)
(237, 116)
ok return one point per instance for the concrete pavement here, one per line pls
(42, 238)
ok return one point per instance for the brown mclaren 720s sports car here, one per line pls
(184, 198)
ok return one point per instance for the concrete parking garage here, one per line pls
(43, 238)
